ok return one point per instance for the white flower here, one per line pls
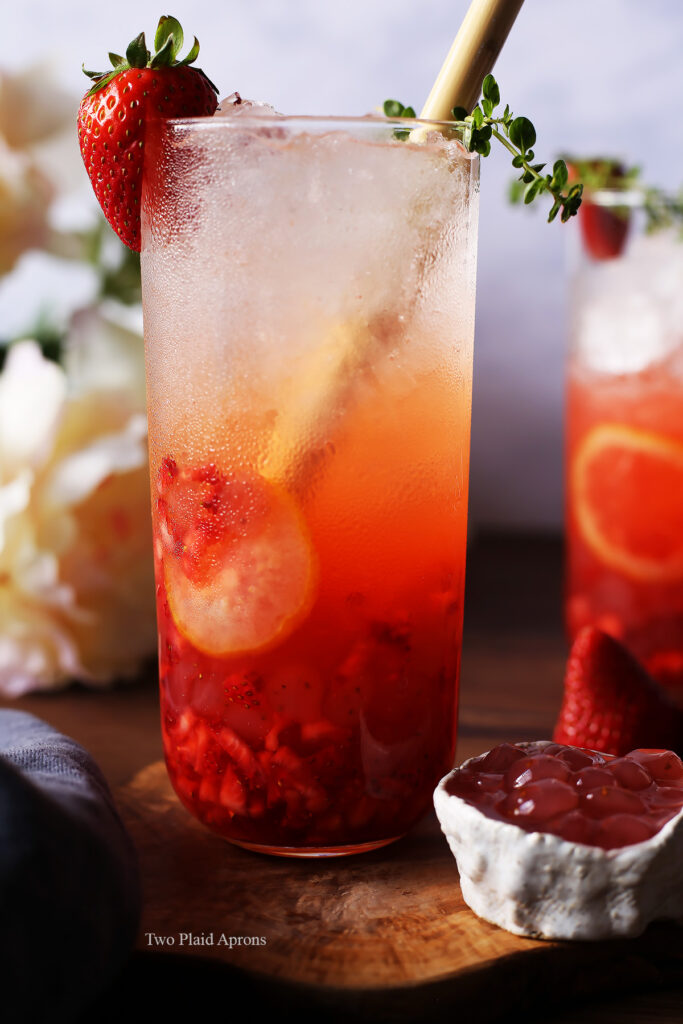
(39, 159)
(76, 585)
(33, 108)
(25, 198)
(104, 350)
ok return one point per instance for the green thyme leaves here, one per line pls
(394, 109)
(518, 136)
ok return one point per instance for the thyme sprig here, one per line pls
(518, 136)
(662, 209)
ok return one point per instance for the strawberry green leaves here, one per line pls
(137, 53)
(518, 136)
(168, 42)
(169, 29)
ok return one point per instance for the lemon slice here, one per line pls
(627, 494)
(259, 586)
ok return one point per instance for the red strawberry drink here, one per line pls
(625, 441)
(309, 305)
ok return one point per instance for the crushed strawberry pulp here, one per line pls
(574, 793)
(333, 735)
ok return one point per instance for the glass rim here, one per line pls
(274, 120)
(633, 198)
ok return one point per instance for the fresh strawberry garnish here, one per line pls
(603, 230)
(610, 702)
(114, 114)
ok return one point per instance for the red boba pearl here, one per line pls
(593, 778)
(486, 782)
(609, 800)
(575, 827)
(624, 830)
(666, 796)
(469, 784)
(629, 774)
(663, 765)
(577, 759)
(532, 769)
(538, 802)
(500, 758)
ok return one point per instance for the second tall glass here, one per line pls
(625, 446)
(309, 314)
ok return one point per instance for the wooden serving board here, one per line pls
(384, 936)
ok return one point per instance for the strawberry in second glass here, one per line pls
(309, 308)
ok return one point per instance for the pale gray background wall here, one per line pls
(594, 75)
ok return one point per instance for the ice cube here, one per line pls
(631, 309)
(234, 105)
(284, 236)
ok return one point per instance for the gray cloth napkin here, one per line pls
(69, 885)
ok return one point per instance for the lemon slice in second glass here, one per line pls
(627, 494)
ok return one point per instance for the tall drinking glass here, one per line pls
(309, 311)
(625, 446)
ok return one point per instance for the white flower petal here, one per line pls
(14, 498)
(38, 580)
(35, 651)
(33, 105)
(25, 198)
(32, 393)
(76, 581)
(104, 350)
(78, 475)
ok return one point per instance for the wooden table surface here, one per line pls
(513, 660)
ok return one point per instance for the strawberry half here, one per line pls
(604, 230)
(114, 114)
(610, 703)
